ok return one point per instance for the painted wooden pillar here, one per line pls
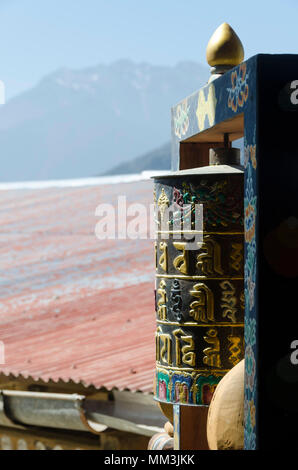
(271, 203)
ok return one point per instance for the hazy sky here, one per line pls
(39, 36)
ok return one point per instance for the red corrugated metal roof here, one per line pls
(71, 306)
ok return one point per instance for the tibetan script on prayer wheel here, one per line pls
(199, 281)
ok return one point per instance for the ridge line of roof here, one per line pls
(62, 381)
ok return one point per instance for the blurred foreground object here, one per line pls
(225, 426)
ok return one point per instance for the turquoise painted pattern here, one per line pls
(250, 213)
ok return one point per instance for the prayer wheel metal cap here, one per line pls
(224, 156)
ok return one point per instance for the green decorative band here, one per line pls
(183, 387)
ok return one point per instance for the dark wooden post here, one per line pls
(190, 427)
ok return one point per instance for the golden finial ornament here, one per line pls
(224, 50)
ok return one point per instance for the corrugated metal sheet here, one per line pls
(71, 306)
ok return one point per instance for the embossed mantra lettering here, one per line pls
(212, 353)
(209, 260)
(181, 262)
(202, 310)
(229, 301)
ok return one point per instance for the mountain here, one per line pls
(78, 123)
(158, 159)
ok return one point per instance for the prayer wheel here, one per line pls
(199, 252)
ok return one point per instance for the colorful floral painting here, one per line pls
(250, 368)
(181, 120)
(250, 424)
(250, 210)
(221, 203)
(250, 332)
(250, 155)
(238, 94)
(250, 271)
